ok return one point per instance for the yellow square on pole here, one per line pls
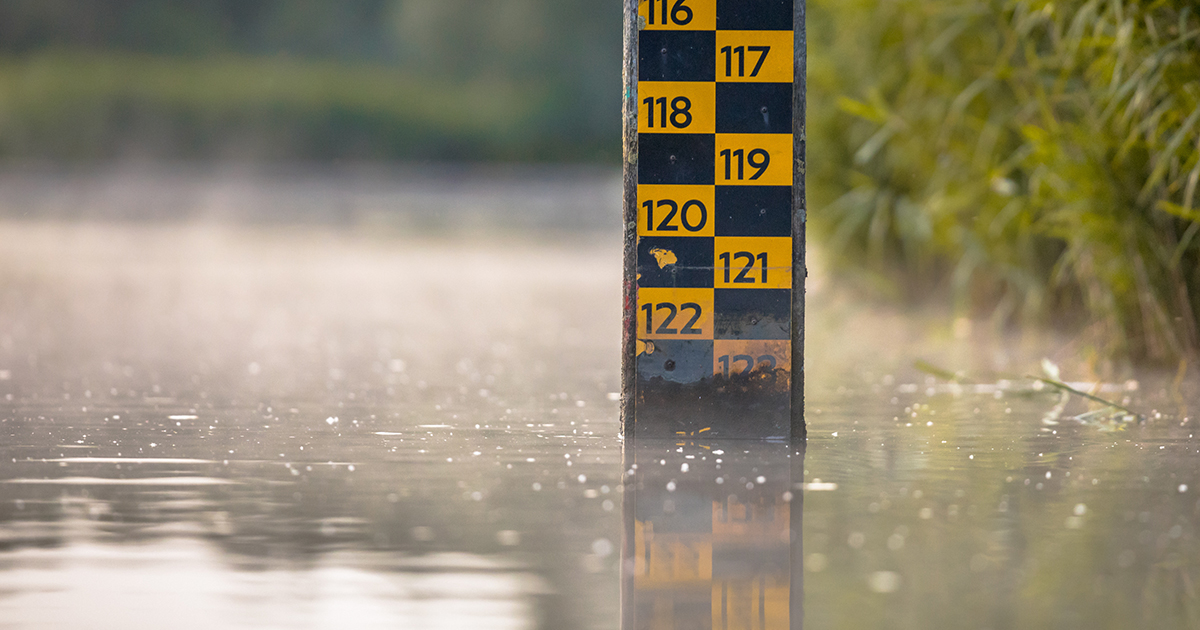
(753, 159)
(674, 313)
(752, 262)
(755, 56)
(675, 210)
(677, 15)
(677, 107)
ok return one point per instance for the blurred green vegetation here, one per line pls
(310, 80)
(132, 105)
(1037, 159)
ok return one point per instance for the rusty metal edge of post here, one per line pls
(799, 436)
(629, 155)
(799, 218)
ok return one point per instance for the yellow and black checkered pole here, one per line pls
(714, 218)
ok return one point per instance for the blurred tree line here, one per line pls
(297, 79)
(1036, 160)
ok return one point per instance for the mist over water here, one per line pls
(231, 422)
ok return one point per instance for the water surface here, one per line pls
(220, 425)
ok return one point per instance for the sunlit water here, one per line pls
(208, 426)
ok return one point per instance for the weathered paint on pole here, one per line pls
(714, 218)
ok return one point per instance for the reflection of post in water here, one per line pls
(712, 529)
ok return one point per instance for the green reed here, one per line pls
(1039, 160)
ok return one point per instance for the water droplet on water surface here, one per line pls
(884, 582)
(602, 547)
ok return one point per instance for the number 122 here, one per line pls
(665, 327)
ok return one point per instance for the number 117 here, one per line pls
(740, 51)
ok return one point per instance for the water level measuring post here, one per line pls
(714, 218)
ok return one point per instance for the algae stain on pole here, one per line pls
(714, 219)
